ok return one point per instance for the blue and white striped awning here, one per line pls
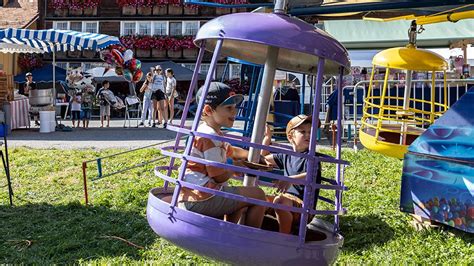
(57, 40)
(44, 46)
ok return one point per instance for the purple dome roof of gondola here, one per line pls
(247, 36)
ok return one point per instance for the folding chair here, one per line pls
(133, 110)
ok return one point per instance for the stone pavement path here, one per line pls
(116, 136)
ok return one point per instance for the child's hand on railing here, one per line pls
(282, 186)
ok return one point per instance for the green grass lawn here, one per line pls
(49, 212)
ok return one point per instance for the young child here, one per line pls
(76, 109)
(298, 132)
(104, 104)
(86, 106)
(219, 111)
(147, 103)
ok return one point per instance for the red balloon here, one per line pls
(118, 57)
(132, 64)
(137, 76)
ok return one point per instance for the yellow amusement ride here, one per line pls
(391, 123)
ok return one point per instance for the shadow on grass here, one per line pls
(68, 233)
(362, 232)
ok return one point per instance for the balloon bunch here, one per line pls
(125, 64)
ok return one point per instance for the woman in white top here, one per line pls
(158, 96)
(171, 92)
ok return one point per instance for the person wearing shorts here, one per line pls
(86, 106)
(104, 104)
(158, 97)
(219, 111)
(76, 110)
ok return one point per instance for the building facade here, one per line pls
(156, 30)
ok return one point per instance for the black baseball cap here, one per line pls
(219, 94)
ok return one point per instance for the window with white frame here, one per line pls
(88, 66)
(128, 28)
(91, 26)
(235, 71)
(173, 28)
(62, 65)
(176, 28)
(75, 25)
(190, 27)
(144, 28)
(220, 69)
(60, 25)
(189, 66)
(160, 28)
(84, 26)
(74, 65)
(204, 68)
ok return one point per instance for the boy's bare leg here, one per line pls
(235, 217)
(108, 120)
(255, 213)
(285, 218)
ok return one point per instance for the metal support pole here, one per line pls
(339, 168)
(406, 106)
(54, 77)
(262, 108)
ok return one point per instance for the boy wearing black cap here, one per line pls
(219, 111)
(298, 133)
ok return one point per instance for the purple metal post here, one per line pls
(192, 87)
(308, 190)
(197, 118)
(339, 169)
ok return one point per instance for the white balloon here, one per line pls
(128, 55)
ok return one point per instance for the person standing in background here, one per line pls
(29, 85)
(25, 90)
(76, 110)
(158, 96)
(86, 106)
(147, 103)
(104, 104)
(171, 92)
